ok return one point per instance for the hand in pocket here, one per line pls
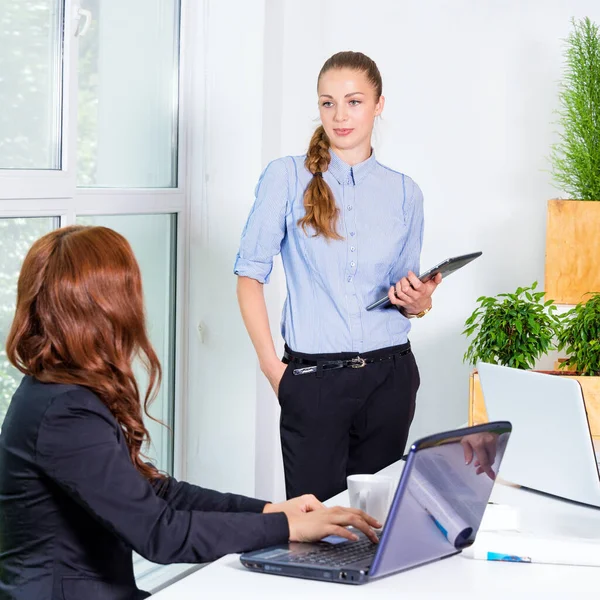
(275, 374)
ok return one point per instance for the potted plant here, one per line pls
(579, 336)
(572, 225)
(514, 330)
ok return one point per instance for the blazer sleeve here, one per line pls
(78, 447)
(181, 495)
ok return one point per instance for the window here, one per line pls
(127, 95)
(16, 236)
(89, 133)
(152, 238)
(30, 84)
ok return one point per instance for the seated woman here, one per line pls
(76, 496)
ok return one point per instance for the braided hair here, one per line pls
(321, 214)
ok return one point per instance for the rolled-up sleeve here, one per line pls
(265, 228)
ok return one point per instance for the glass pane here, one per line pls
(153, 240)
(16, 237)
(128, 94)
(30, 84)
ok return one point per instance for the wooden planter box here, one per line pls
(590, 387)
(572, 250)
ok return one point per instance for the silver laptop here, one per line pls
(435, 513)
(551, 448)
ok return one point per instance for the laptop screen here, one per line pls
(550, 428)
(440, 501)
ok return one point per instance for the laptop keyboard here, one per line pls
(338, 556)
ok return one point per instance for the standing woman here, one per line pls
(348, 229)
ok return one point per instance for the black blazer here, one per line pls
(73, 507)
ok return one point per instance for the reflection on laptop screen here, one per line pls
(441, 500)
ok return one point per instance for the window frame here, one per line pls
(54, 193)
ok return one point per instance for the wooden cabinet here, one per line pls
(572, 250)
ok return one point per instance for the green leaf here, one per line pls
(514, 329)
(575, 158)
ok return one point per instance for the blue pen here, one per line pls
(507, 557)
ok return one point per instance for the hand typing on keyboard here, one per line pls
(295, 506)
(315, 525)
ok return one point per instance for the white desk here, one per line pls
(454, 577)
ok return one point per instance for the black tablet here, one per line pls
(446, 267)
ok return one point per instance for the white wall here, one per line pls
(268, 459)
(471, 87)
(224, 163)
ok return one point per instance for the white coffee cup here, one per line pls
(372, 494)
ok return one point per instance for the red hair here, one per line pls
(80, 320)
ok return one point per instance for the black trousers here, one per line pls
(346, 421)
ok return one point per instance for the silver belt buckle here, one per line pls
(305, 370)
(357, 363)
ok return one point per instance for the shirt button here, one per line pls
(349, 279)
(352, 264)
(352, 233)
(352, 248)
(349, 207)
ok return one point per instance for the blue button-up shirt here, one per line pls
(330, 282)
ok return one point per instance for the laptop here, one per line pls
(551, 450)
(435, 513)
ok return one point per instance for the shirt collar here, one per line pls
(347, 175)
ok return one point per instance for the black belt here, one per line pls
(357, 362)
